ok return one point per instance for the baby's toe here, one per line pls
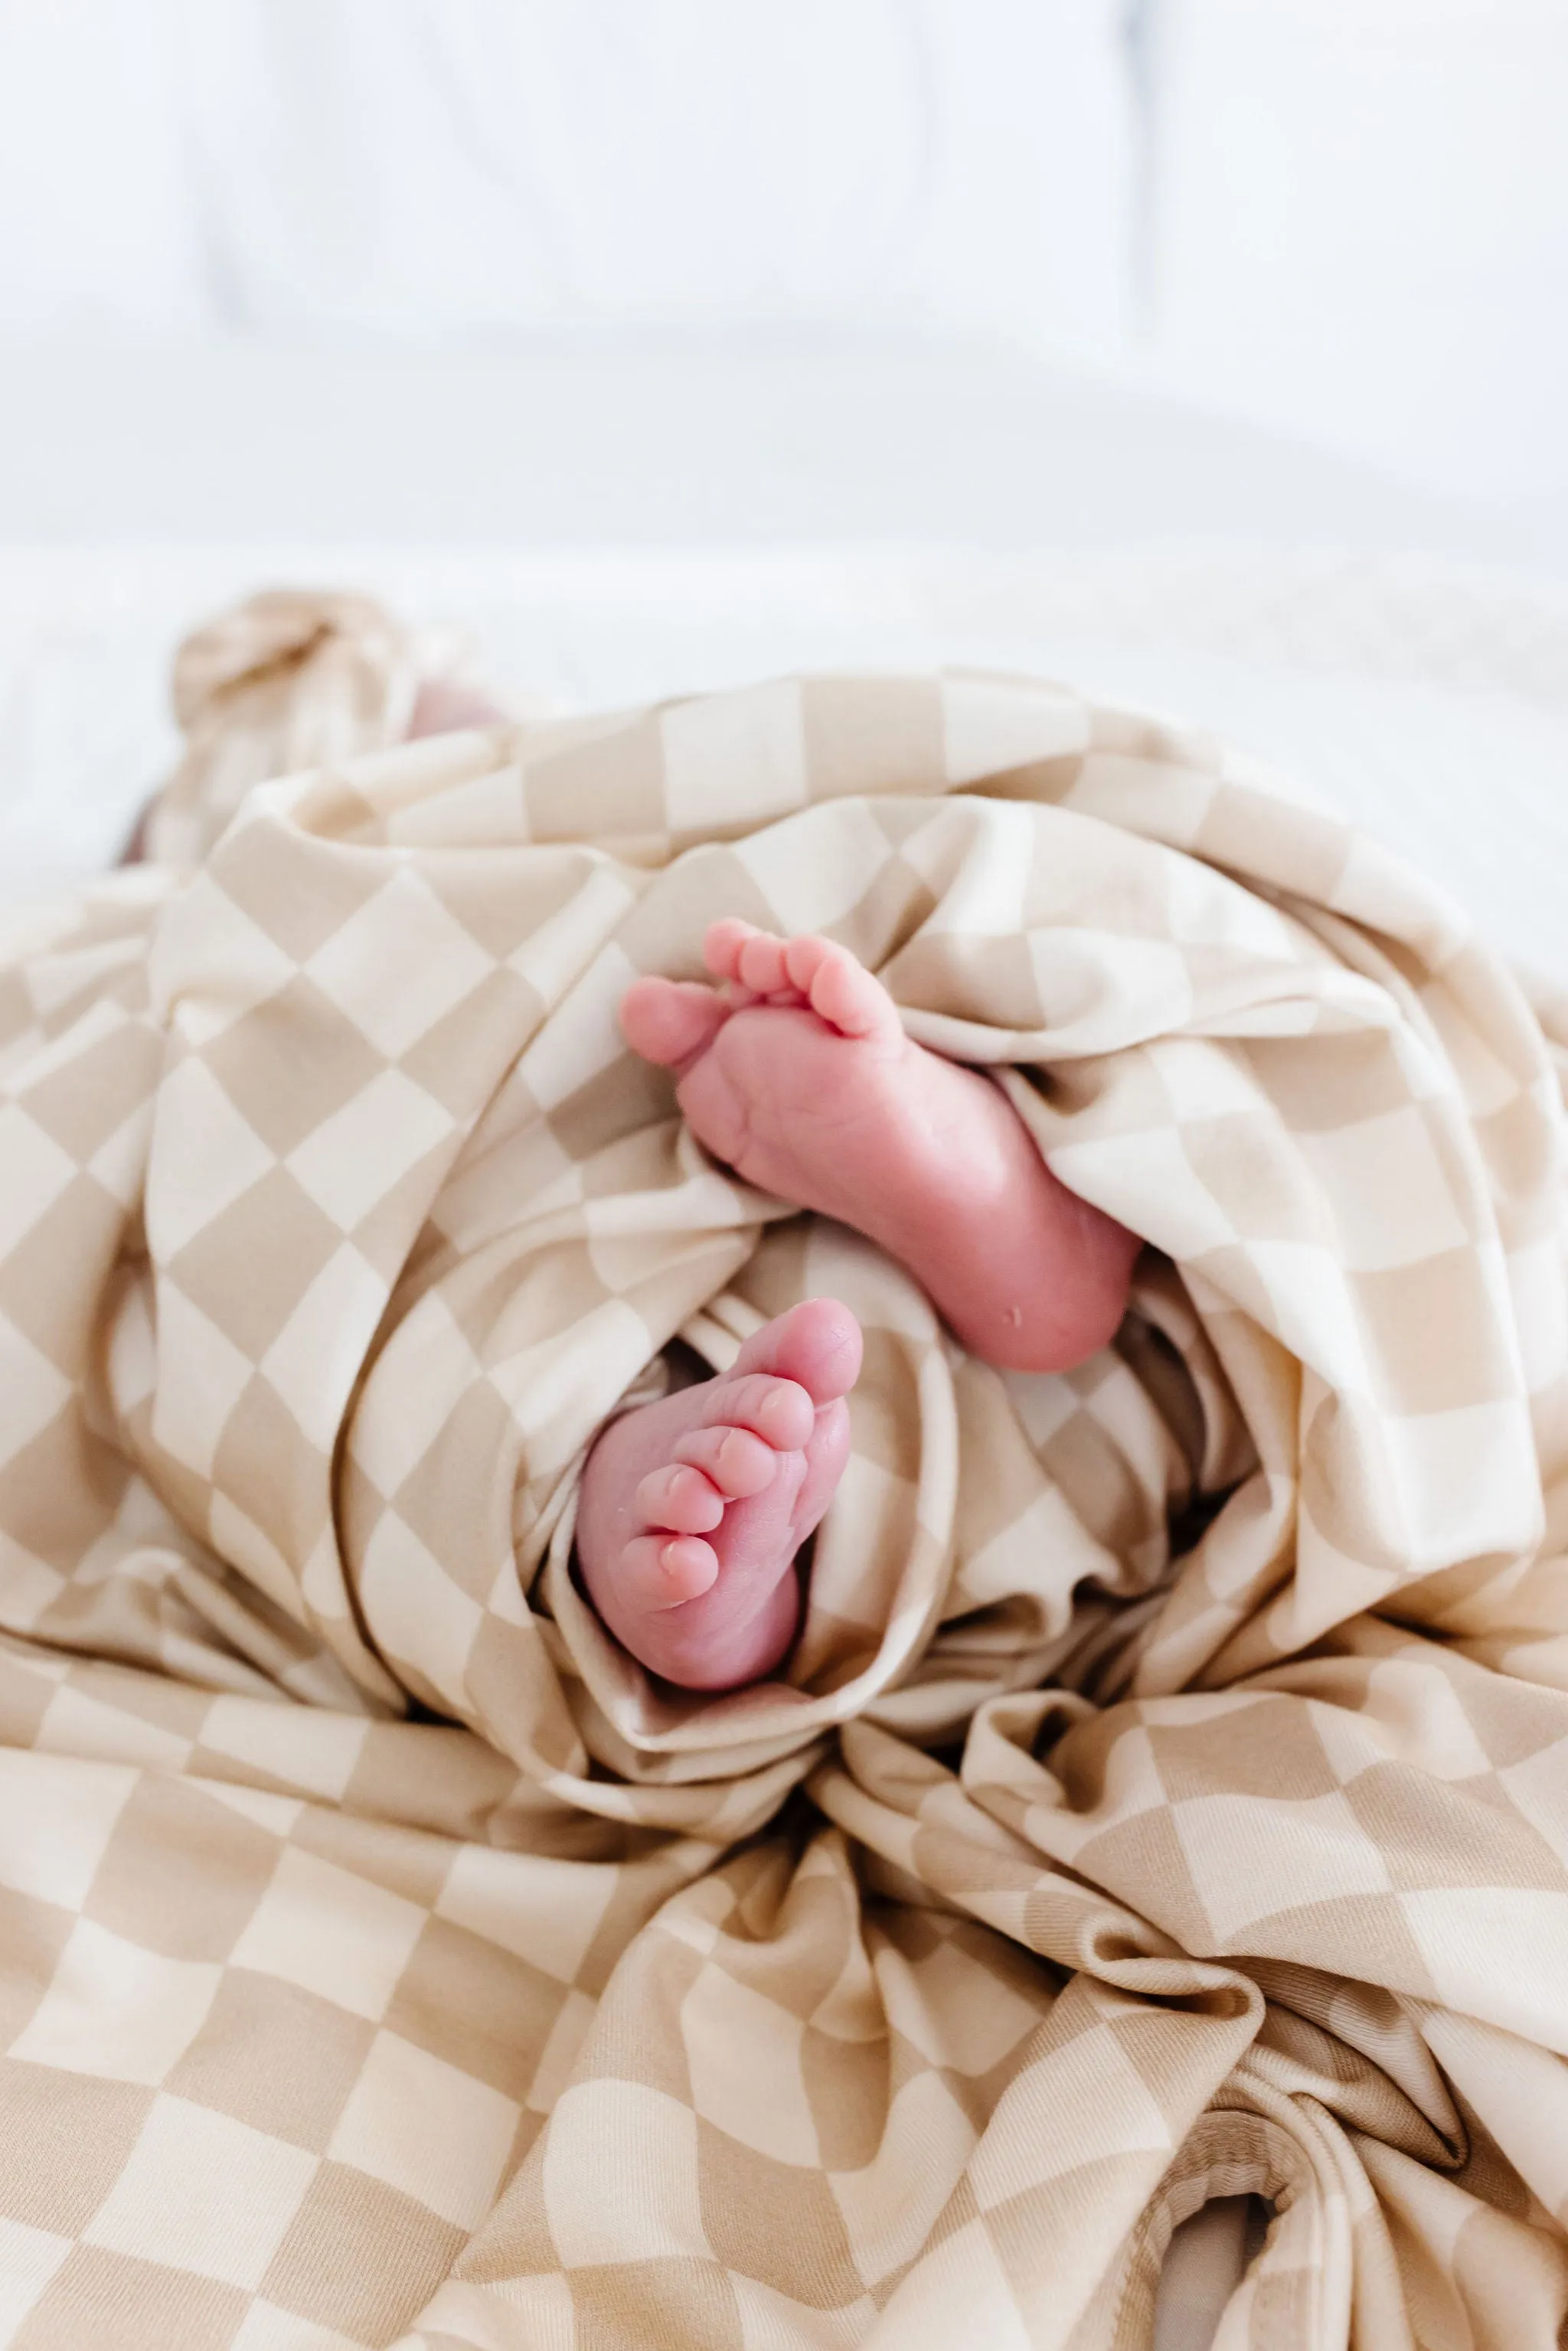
(848, 997)
(737, 1463)
(722, 944)
(681, 1499)
(760, 964)
(779, 1411)
(659, 1571)
(671, 1021)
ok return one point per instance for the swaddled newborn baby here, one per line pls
(796, 1071)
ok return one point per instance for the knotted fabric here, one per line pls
(1167, 1796)
(289, 679)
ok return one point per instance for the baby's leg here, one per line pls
(693, 1508)
(803, 1079)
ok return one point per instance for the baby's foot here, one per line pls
(803, 1079)
(693, 1508)
(443, 704)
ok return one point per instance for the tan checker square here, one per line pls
(311, 2051)
(300, 899)
(99, 2300)
(873, 735)
(390, 2253)
(1268, 1746)
(692, 2301)
(182, 1874)
(1436, 1338)
(217, 1268)
(282, 1091)
(615, 762)
(67, 2139)
(476, 2006)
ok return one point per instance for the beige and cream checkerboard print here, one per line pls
(1169, 1795)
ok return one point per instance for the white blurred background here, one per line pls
(1344, 219)
(1213, 351)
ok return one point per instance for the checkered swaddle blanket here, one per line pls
(1168, 1795)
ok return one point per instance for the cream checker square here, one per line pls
(37, 1172)
(622, 2173)
(352, 1159)
(32, 1391)
(438, 963)
(201, 2191)
(582, 1037)
(733, 758)
(987, 728)
(428, 2128)
(744, 2051)
(959, 2293)
(322, 1748)
(1308, 1849)
(317, 1356)
(420, 1614)
(1099, 2106)
(28, 2259)
(268, 2327)
(57, 1816)
(545, 1911)
(116, 2010)
(204, 1155)
(1390, 1197)
(332, 1933)
(892, 2203)
(201, 1375)
(816, 868)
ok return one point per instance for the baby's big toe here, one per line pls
(658, 1572)
(669, 1020)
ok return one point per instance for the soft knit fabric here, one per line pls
(1168, 1793)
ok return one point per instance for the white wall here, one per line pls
(1361, 226)
(432, 167)
(1347, 216)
